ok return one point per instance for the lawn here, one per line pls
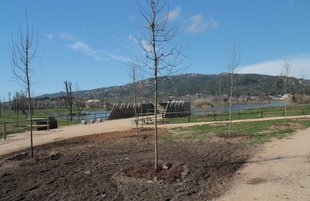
(249, 132)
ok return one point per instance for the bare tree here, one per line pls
(9, 102)
(0, 108)
(79, 104)
(17, 108)
(286, 68)
(303, 75)
(233, 63)
(22, 53)
(156, 42)
(133, 75)
(69, 98)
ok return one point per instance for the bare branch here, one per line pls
(22, 53)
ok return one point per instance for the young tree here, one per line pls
(133, 75)
(22, 53)
(0, 108)
(9, 102)
(79, 104)
(303, 75)
(156, 42)
(286, 67)
(69, 98)
(233, 63)
(16, 107)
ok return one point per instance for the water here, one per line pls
(95, 115)
(235, 107)
(103, 115)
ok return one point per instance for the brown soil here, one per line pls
(235, 138)
(118, 166)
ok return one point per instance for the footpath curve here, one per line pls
(17, 142)
(280, 171)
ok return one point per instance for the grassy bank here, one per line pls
(248, 132)
(205, 115)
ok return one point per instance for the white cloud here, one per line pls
(134, 39)
(174, 14)
(97, 55)
(197, 24)
(67, 36)
(146, 45)
(86, 49)
(288, 6)
(299, 67)
(49, 36)
(122, 59)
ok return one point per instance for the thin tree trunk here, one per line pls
(30, 103)
(230, 101)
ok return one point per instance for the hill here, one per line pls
(199, 85)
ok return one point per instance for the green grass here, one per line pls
(10, 118)
(254, 132)
(292, 110)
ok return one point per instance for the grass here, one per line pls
(292, 110)
(10, 118)
(253, 132)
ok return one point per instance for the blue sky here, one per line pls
(88, 42)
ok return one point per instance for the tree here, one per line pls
(303, 88)
(156, 43)
(16, 107)
(134, 66)
(22, 53)
(233, 63)
(0, 108)
(286, 67)
(69, 98)
(79, 104)
(9, 102)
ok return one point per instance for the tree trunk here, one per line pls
(230, 101)
(29, 104)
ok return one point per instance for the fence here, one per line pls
(12, 127)
(223, 115)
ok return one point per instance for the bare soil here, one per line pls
(279, 170)
(119, 166)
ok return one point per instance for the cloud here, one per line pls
(145, 44)
(86, 49)
(49, 36)
(67, 36)
(298, 67)
(174, 14)
(198, 24)
(134, 39)
(122, 59)
(289, 5)
(97, 55)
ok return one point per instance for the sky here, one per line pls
(91, 43)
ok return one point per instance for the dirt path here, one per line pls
(280, 171)
(21, 141)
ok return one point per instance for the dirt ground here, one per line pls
(118, 166)
(279, 171)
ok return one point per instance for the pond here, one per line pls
(235, 107)
(103, 115)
